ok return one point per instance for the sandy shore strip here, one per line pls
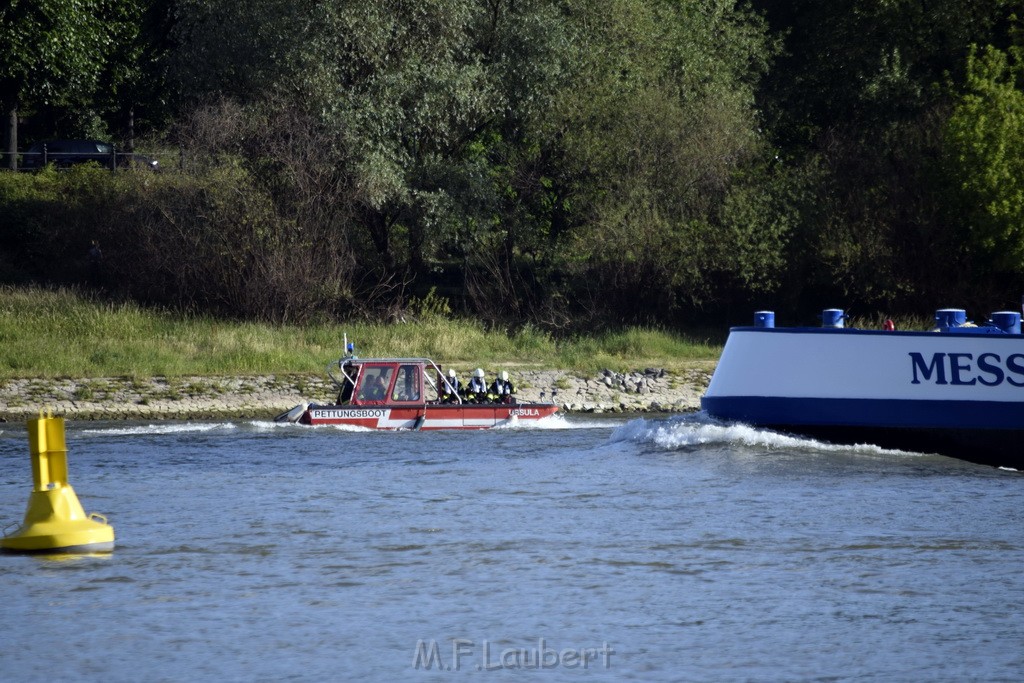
(266, 396)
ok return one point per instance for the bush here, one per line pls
(213, 240)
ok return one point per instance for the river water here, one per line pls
(668, 549)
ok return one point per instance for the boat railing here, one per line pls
(340, 364)
(451, 390)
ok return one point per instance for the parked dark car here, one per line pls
(65, 153)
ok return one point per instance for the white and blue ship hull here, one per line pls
(957, 392)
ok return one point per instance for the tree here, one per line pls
(529, 145)
(857, 103)
(132, 95)
(53, 51)
(860, 65)
(985, 155)
(658, 127)
(423, 103)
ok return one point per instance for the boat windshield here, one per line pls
(375, 383)
(407, 386)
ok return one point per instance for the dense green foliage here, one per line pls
(986, 156)
(565, 164)
(75, 67)
(858, 102)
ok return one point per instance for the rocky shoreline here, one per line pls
(266, 396)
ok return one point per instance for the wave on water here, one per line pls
(556, 421)
(175, 428)
(699, 429)
(270, 425)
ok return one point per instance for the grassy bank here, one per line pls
(47, 333)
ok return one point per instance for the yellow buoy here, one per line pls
(55, 520)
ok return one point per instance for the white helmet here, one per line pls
(504, 375)
(451, 372)
(478, 372)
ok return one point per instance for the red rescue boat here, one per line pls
(408, 393)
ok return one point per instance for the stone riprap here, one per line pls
(265, 396)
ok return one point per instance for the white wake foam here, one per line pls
(271, 425)
(698, 429)
(174, 428)
(556, 421)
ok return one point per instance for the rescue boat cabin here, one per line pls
(390, 381)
